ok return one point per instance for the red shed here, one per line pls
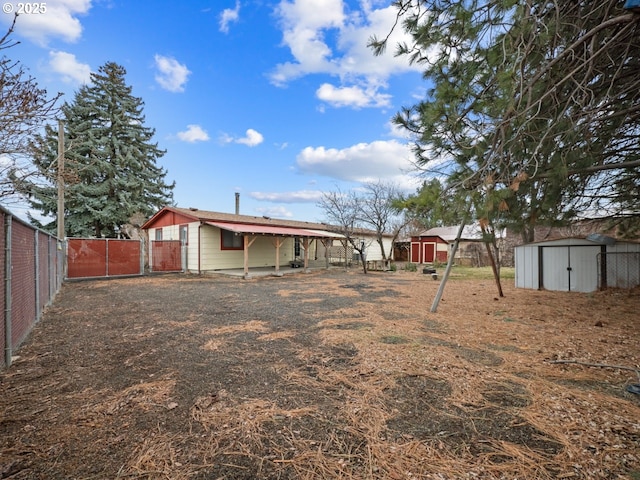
(428, 248)
(433, 245)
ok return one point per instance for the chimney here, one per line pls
(237, 203)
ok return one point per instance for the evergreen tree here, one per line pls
(534, 105)
(434, 205)
(110, 166)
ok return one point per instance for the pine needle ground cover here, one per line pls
(325, 375)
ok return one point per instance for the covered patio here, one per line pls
(277, 234)
(256, 272)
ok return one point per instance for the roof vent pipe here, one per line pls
(237, 203)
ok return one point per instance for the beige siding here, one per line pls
(205, 241)
(172, 232)
(261, 253)
(320, 250)
(192, 247)
(373, 248)
(315, 249)
(168, 233)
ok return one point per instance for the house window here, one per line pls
(296, 247)
(231, 241)
(184, 234)
(158, 234)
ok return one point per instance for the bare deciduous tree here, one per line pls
(377, 211)
(342, 211)
(357, 215)
(24, 109)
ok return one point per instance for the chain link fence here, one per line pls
(619, 270)
(32, 273)
(167, 256)
(104, 257)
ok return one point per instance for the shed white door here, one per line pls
(570, 268)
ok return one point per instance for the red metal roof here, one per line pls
(269, 230)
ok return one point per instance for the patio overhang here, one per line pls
(252, 229)
(250, 232)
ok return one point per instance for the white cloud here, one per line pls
(356, 97)
(358, 59)
(172, 74)
(229, 15)
(59, 20)
(68, 67)
(324, 38)
(299, 196)
(252, 138)
(305, 24)
(364, 162)
(193, 133)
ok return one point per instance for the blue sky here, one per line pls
(279, 100)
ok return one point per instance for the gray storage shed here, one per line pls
(578, 264)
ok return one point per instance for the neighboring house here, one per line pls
(221, 241)
(435, 245)
(581, 264)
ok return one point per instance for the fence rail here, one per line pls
(33, 264)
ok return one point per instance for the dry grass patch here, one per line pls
(340, 376)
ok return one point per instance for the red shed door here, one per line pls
(415, 252)
(429, 252)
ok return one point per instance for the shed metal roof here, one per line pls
(591, 239)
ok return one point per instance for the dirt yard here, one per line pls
(330, 375)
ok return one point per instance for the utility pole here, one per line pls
(60, 180)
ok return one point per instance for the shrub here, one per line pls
(411, 267)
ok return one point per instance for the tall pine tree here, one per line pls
(533, 106)
(110, 167)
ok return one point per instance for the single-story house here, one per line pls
(580, 264)
(214, 241)
(435, 244)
